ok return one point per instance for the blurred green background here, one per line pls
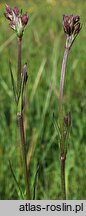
(43, 48)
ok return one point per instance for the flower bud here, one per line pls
(16, 11)
(24, 19)
(68, 24)
(17, 20)
(77, 28)
(8, 9)
(71, 24)
(67, 119)
(76, 18)
(25, 73)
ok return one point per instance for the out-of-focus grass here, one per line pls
(43, 47)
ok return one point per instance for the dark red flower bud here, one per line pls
(24, 19)
(16, 11)
(68, 24)
(77, 28)
(76, 18)
(8, 9)
(67, 119)
(17, 20)
(71, 24)
(25, 73)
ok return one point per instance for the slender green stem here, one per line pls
(22, 135)
(61, 119)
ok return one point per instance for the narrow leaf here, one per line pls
(15, 180)
(13, 83)
(35, 182)
(56, 126)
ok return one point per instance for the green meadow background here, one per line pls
(42, 49)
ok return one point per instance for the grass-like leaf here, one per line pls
(13, 83)
(15, 180)
(35, 182)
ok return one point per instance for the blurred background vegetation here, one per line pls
(43, 48)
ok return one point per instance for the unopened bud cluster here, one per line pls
(72, 27)
(71, 24)
(18, 21)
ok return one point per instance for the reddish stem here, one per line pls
(19, 65)
(22, 136)
(61, 117)
(63, 159)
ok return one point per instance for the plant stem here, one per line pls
(19, 65)
(61, 119)
(63, 74)
(20, 120)
(22, 135)
(63, 160)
